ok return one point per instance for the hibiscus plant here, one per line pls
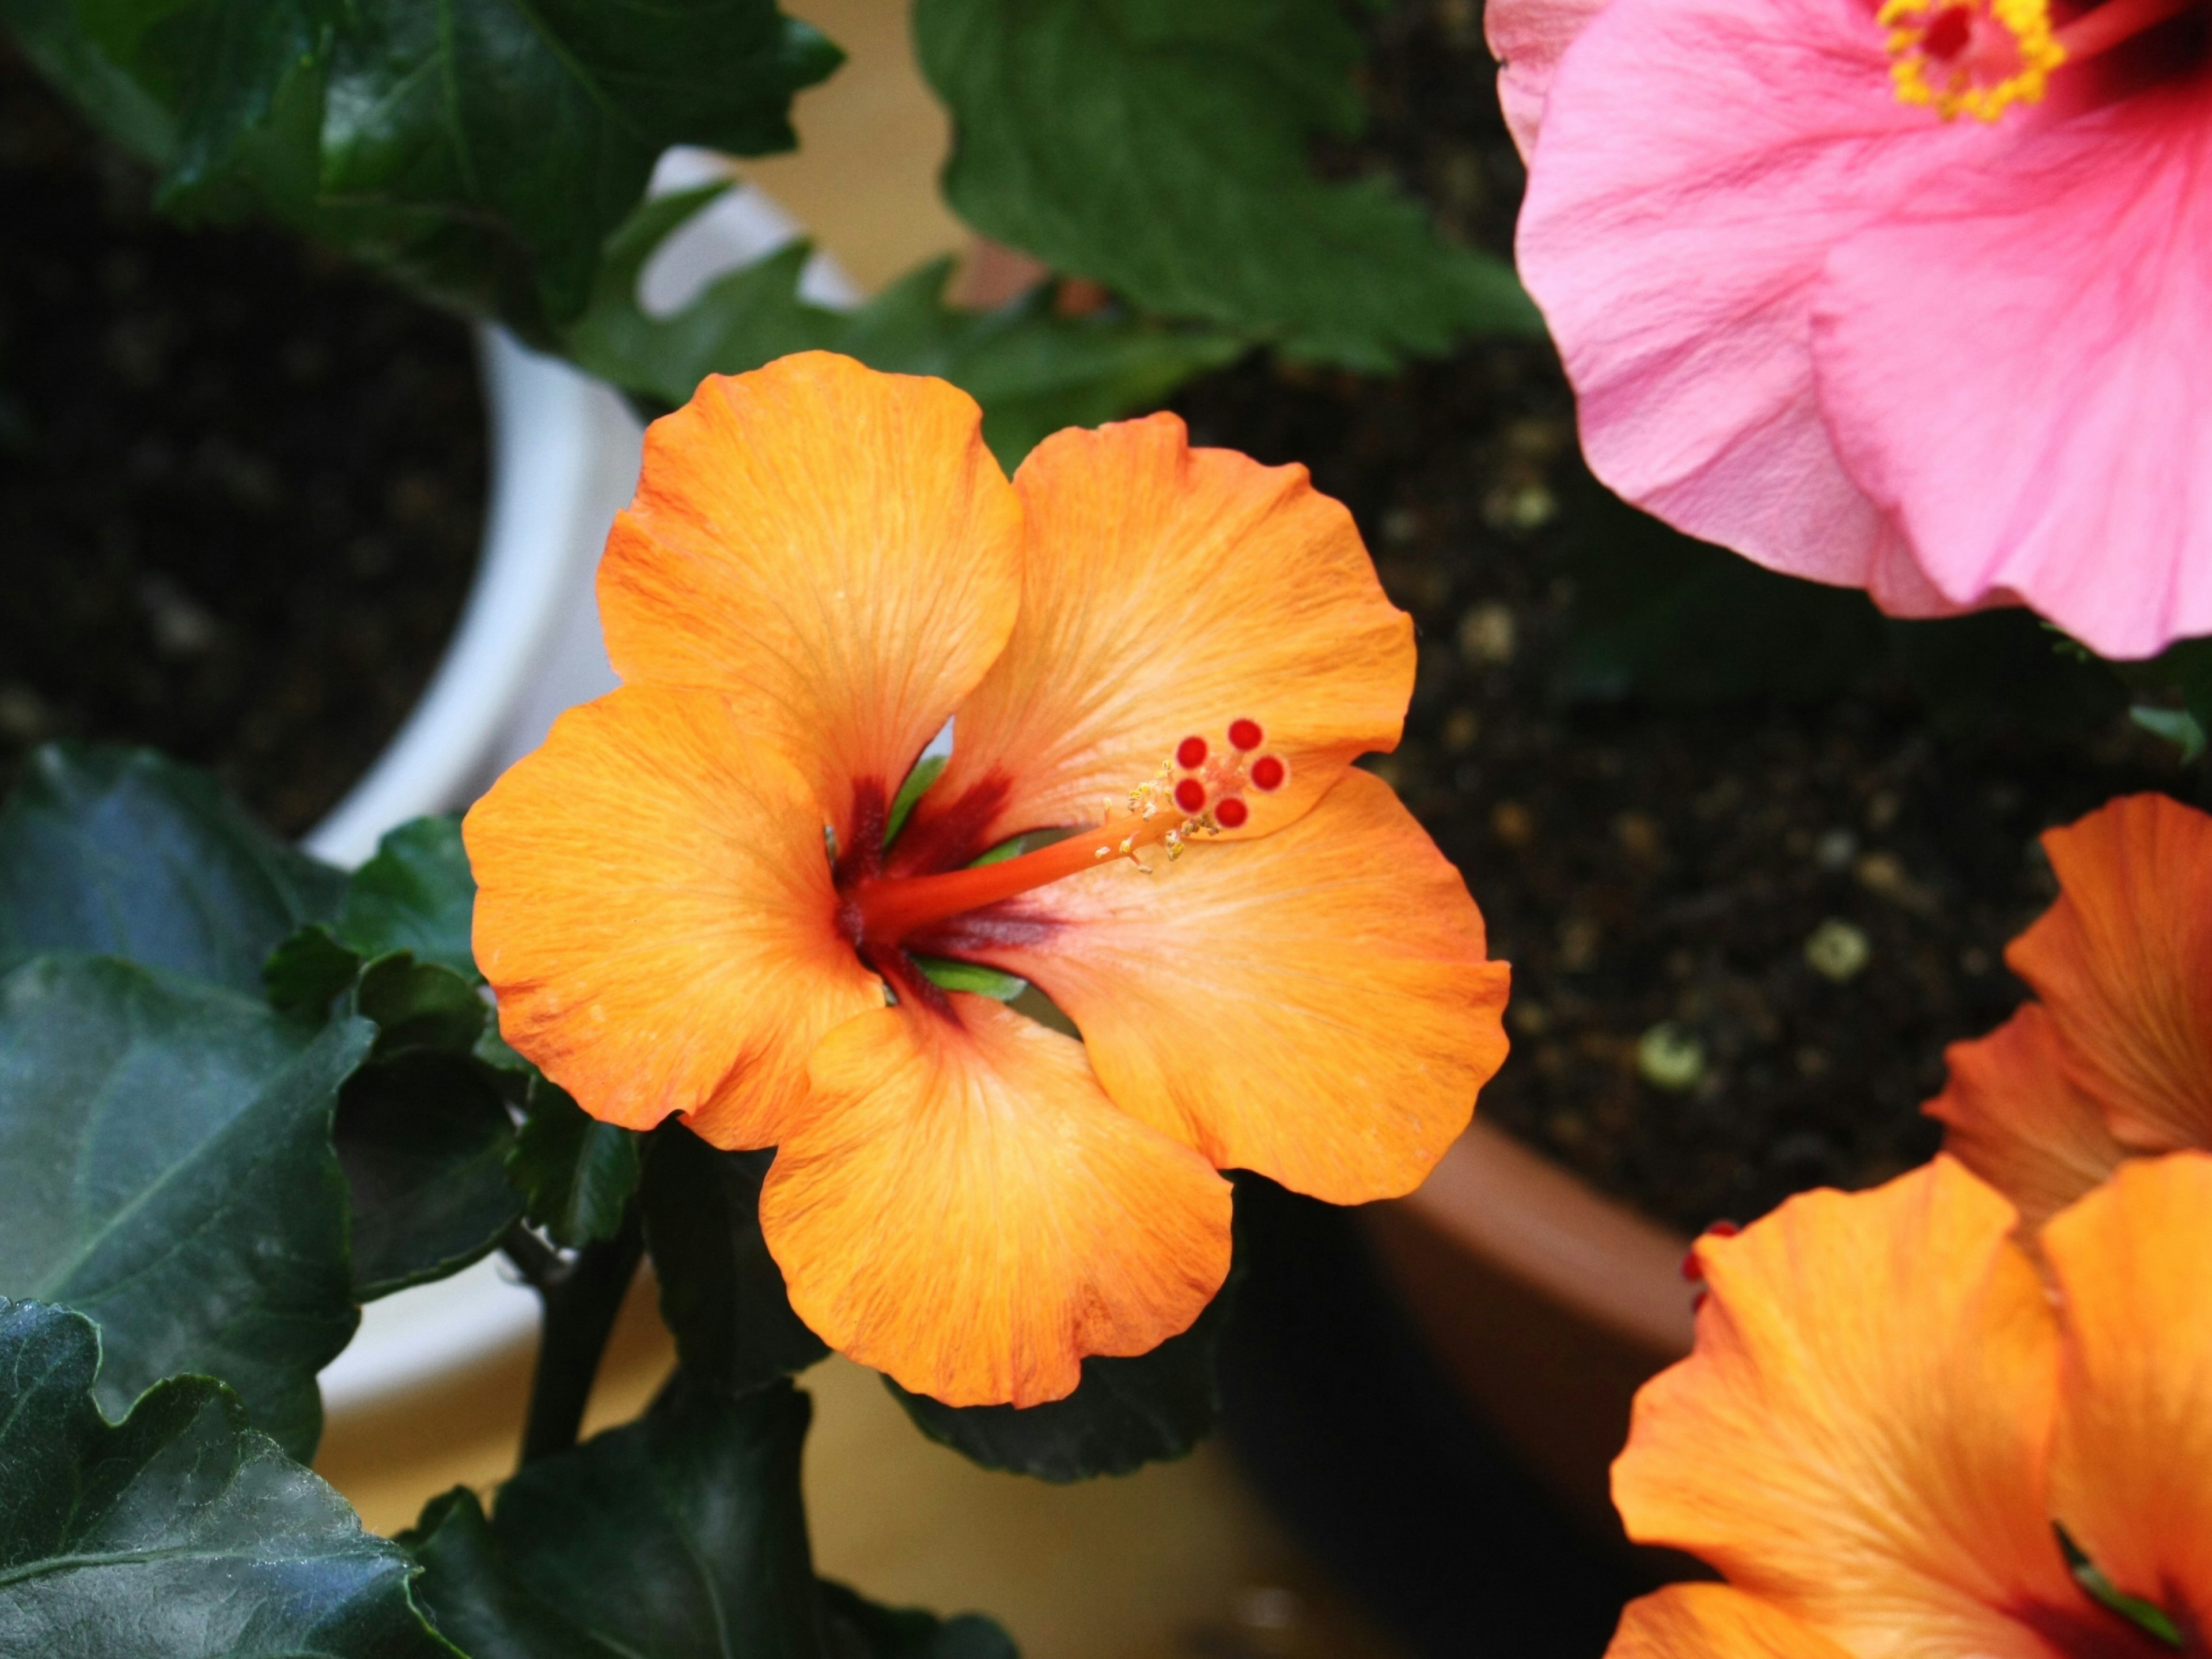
(494, 158)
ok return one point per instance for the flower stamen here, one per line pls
(1975, 58)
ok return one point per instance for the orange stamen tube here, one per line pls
(890, 909)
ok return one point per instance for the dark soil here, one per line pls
(241, 487)
(1665, 773)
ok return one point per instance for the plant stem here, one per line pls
(581, 1299)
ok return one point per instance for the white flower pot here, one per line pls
(564, 460)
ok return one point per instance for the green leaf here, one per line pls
(927, 771)
(682, 1535)
(308, 972)
(416, 895)
(2145, 1615)
(481, 151)
(2177, 726)
(576, 1174)
(971, 976)
(419, 1005)
(177, 1534)
(721, 1293)
(911, 1633)
(1033, 371)
(119, 852)
(165, 1146)
(1161, 149)
(424, 1140)
(1123, 1414)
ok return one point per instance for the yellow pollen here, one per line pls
(1974, 57)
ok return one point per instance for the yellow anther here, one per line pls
(1974, 57)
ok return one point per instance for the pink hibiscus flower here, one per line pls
(1916, 299)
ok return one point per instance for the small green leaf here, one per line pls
(1162, 149)
(165, 1146)
(178, 1533)
(1033, 371)
(882, 1632)
(424, 1140)
(419, 1005)
(2177, 726)
(721, 1293)
(119, 852)
(576, 1174)
(927, 770)
(2145, 1615)
(971, 976)
(416, 895)
(308, 972)
(682, 1535)
(1123, 1414)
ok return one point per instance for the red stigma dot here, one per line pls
(1725, 1228)
(1190, 794)
(1946, 35)
(1231, 813)
(1692, 1269)
(1268, 773)
(1190, 754)
(1245, 734)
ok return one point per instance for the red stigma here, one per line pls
(1231, 813)
(1245, 734)
(1947, 35)
(1268, 773)
(1190, 794)
(1692, 1269)
(1190, 755)
(1725, 1228)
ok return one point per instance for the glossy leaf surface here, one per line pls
(178, 1533)
(123, 852)
(576, 1174)
(1161, 149)
(165, 1146)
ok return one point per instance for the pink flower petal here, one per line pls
(1699, 160)
(2018, 366)
(1527, 38)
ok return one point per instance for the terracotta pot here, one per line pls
(1548, 1302)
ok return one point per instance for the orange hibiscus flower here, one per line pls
(2114, 1060)
(1892, 1439)
(699, 896)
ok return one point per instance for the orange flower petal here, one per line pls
(653, 908)
(1168, 591)
(833, 549)
(1314, 1004)
(1860, 1434)
(2015, 1117)
(2124, 962)
(964, 1209)
(1713, 1621)
(2131, 1473)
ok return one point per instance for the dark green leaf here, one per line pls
(862, 1630)
(576, 1173)
(479, 1601)
(424, 1140)
(682, 1535)
(1161, 149)
(308, 972)
(1123, 1414)
(165, 1146)
(178, 1533)
(481, 151)
(119, 852)
(721, 1292)
(416, 895)
(1033, 371)
(418, 1005)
